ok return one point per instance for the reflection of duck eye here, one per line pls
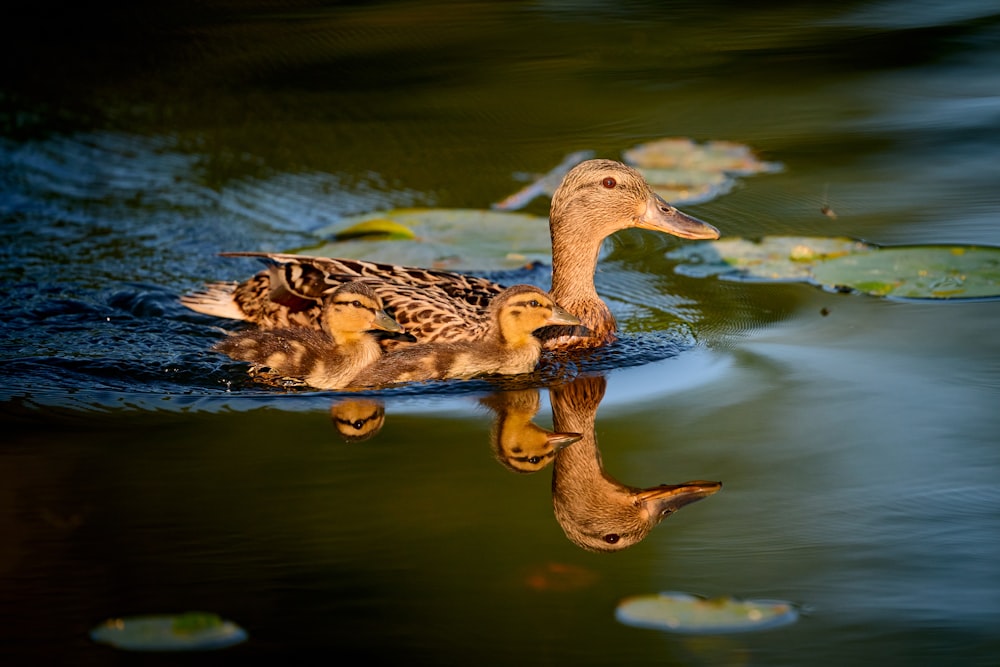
(534, 459)
(611, 538)
(359, 424)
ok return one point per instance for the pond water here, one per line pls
(856, 438)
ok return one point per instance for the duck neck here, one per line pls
(574, 261)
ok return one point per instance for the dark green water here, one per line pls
(856, 437)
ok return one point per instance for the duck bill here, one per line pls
(386, 323)
(663, 500)
(660, 216)
(560, 316)
(558, 440)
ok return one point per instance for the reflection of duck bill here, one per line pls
(663, 500)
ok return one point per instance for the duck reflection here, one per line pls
(596, 511)
(519, 444)
(357, 419)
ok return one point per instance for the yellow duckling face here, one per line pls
(600, 197)
(354, 308)
(523, 308)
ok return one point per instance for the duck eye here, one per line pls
(612, 538)
(356, 304)
(359, 424)
(534, 304)
(609, 183)
(534, 460)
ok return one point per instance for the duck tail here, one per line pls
(215, 299)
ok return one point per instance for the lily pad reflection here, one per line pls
(191, 631)
(690, 614)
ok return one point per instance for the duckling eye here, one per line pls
(612, 538)
(609, 183)
(534, 304)
(359, 424)
(534, 459)
(356, 304)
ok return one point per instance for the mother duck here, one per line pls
(595, 199)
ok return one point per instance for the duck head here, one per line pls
(599, 197)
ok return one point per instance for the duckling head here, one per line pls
(521, 309)
(357, 419)
(354, 308)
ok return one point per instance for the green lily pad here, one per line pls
(190, 631)
(905, 272)
(461, 239)
(690, 614)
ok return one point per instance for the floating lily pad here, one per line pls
(469, 239)
(191, 631)
(906, 272)
(543, 185)
(683, 171)
(690, 614)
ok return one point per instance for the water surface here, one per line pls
(856, 437)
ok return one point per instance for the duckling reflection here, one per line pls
(597, 512)
(518, 444)
(357, 419)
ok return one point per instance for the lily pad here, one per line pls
(690, 614)
(464, 239)
(190, 631)
(905, 272)
(683, 171)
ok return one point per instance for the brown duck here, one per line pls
(596, 511)
(595, 199)
(506, 346)
(328, 358)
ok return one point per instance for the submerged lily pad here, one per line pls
(690, 614)
(469, 239)
(191, 631)
(906, 272)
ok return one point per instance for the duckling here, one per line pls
(596, 511)
(327, 358)
(506, 347)
(519, 444)
(595, 199)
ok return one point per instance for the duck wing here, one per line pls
(431, 304)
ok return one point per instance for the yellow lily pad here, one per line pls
(190, 631)
(458, 239)
(379, 229)
(689, 614)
